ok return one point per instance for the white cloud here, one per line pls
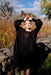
(13, 3)
(3, 1)
(35, 10)
(18, 7)
(36, 4)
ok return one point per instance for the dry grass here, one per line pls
(45, 30)
(8, 32)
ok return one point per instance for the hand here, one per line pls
(27, 18)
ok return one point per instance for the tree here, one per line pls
(10, 9)
(6, 7)
(46, 7)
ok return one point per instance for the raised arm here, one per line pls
(38, 24)
(17, 23)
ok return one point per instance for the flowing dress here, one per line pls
(25, 45)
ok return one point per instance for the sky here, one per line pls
(28, 6)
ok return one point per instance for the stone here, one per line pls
(6, 57)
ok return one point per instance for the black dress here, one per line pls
(25, 45)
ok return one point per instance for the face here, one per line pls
(27, 24)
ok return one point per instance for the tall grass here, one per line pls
(8, 32)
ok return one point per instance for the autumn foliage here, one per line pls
(8, 32)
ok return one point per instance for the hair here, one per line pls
(32, 24)
(27, 20)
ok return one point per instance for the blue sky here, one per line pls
(28, 6)
(27, 3)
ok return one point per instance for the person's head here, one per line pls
(27, 24)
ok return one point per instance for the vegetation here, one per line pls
(46, 67)
(46, 7)
(6, 7)
(8, 31)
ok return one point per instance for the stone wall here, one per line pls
(6, 57)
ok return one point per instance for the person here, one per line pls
(25, 44)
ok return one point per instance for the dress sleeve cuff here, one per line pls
(33, 19)
(22, 20)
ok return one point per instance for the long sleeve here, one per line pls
(38, 24)
(17, 23)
